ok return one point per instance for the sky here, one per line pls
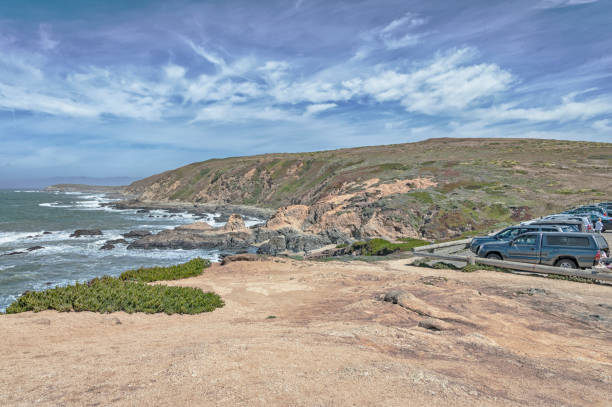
(132, 88)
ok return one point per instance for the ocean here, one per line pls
(25, 216)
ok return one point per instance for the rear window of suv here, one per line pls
(601, 242)
(573, 241)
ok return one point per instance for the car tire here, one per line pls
(494, 256)
(566, 264)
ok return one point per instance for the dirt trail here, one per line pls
(510, 341)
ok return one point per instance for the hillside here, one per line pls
(438, 188)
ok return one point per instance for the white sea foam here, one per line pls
(11, 237)
(2, 268)
(54, 205)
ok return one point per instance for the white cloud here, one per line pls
(240, 113)
(563, 3)
(46, 42)
(174, 71)
(318, 108)
(602, 125)
(568, 110)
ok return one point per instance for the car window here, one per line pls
(556, 240)
(505, 234)
(601, 242)
(573, 241)
(549, 230)
(526, 240)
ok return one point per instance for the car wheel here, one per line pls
(566, 264)
(494, 256)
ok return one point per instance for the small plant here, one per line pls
(192, 268)
(382, 247)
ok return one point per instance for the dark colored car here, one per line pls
(588, 208)
(570, 250)
(510, 233)
(566, 225)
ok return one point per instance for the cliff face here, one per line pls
(438, 188)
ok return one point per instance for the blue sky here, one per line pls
(132, 88)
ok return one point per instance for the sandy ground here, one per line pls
(511, 341)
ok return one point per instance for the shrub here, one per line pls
(382, 247)
(192, 268)
(108, 294)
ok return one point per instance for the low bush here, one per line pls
(382, 247)
(127, 293)
(192, 268)
(108, 294)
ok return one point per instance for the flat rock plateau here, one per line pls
(306, 333)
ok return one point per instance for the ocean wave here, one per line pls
(54, 205)
(2, 268)
(11, 237)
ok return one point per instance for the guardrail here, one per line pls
(428, 251)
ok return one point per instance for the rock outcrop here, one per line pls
(86, 232)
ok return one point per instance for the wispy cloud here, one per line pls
(227, 78)
(563, 3)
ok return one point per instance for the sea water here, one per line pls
(26, 215)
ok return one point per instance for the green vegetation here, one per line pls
(129, 294)
(192, 268)
(382, 247)
(109, 294)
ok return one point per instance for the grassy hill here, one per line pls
(479, 183)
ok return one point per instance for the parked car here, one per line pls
(588, 208)
(566, 225)
(569, 250)
(594, 216)
(583, 219)
(607, 206)
(510, 233)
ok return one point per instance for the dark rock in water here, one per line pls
(13, 253)
(86, 232)
(47, 233)
(116, 241)
(142, 211)
(107, 246)
(138, 234)
(31, 249)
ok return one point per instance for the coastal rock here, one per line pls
(86, 232)
(47, 233)
(107, 246)
(33, 248)
(195, 239)
(273, 246)
(275, 241)
(242, 257)
(235, 223)
(434, 324)
(116, 241)
(13, 253)
(138, 234)
(199, 226)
